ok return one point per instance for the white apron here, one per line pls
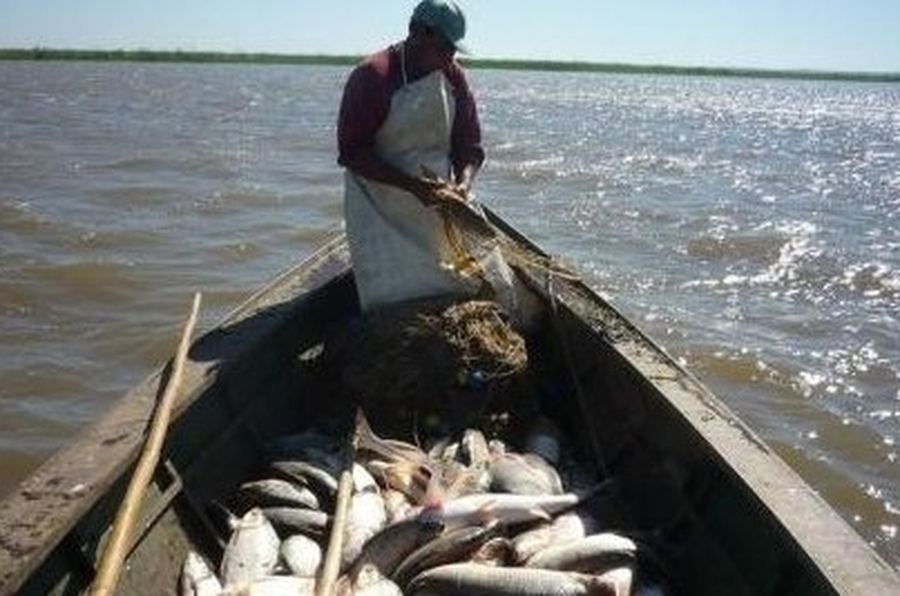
(400, 248)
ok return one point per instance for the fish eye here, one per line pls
(431, 523)
(429, 519)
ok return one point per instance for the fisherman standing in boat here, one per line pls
(410, 140)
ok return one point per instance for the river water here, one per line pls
(750, 226)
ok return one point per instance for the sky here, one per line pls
(829, 35)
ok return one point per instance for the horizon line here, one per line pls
(178, 55)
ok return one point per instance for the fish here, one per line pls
(396, 505)
(506, 508)
(320, 481)
(363, 481)
(366, 581)
(592, 554)
(497, 551)
(365, 516)
(574, 524)
(457, 480)
(443, 448)
(406, 477)
(275, 492)
(474, 449)
(388, 548)
(302, 555)
(619, 580)
(523, 474)
(198, 578)
(288, 521)
(569, 525)
(390, 450)
(496, 447)
(460, 467)
(252, 550)
(472, 578)
(532, 540)
(274, 585)
(453, 546)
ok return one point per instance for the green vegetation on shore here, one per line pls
(548, 65)
(169, 56)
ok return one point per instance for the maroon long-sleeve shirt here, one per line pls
(367, 100)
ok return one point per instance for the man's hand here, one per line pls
(452, 201)
(431, 189)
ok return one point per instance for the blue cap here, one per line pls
(444, 16)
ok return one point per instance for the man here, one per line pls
(409, 137)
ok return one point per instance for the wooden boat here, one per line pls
(743, 522)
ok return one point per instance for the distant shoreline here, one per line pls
(50, 54)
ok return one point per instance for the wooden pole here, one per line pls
(328, 574)
(123, 526)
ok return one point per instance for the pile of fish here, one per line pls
(466, 516)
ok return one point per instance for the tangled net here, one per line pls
(431, 362)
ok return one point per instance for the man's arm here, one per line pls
(364, 107)
(367, 164)
(467, 153)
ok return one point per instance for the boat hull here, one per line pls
(737, 518)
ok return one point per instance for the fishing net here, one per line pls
(469, 229)
(431, 362)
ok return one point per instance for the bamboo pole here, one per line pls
(117, 546)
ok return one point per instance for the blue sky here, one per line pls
(843, 35)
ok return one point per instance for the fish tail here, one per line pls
(367, 440)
